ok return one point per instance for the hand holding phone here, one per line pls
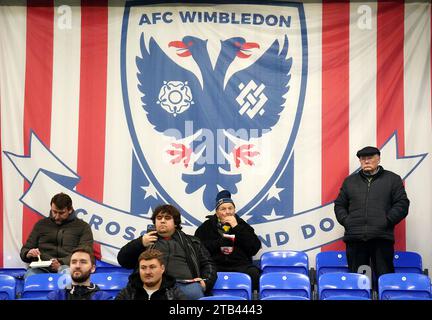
(151, 227)
(150, 237)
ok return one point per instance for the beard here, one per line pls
(82, 277)
(151, 284)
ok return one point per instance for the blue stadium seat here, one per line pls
(285, 261)
(223, 297)
(18, 274)
(104, 267)
(346, 286)
(331, 261)
(39, 285)
(407, 262)
(404, 286)
(7, 287)
(14, 272)
(287, 285)
(233, 284)
(111, 283)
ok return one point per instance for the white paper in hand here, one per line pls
(40, 263)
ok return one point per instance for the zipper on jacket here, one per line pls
(369, 181)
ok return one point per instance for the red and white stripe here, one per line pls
(372, 82)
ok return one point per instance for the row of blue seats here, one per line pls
(330, 261)
(290, 261)
(37, 286)
(272, 286)
(286, 261)
(331, 286)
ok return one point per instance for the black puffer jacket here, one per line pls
(57, 241)
(246, 243)
(370, 210)
(198, 258)
(135, 291)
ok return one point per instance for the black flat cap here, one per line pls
(368, 151)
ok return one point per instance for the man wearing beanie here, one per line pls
(231, 241)
(371, 202)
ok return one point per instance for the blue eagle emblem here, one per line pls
(242, 106)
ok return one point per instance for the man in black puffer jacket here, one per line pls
(150, 282)
(370, 204)
(231, 241)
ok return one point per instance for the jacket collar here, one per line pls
(374, 176)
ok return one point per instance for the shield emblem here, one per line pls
(213, 99)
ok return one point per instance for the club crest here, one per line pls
(210, 110)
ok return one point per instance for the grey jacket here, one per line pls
(57, 241)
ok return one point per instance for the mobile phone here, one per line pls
(151, 227)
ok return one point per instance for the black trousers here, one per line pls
(376, 253)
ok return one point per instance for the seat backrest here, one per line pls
(18, 274)
(111, 283)
(222, 297)
(14, 272)
(285, 261)
(331, 261)
(284, 284)
(104, 267)
(7, 287)
(39, 285)
(404, 286)
(233, 284)
(407, 262)
(354, 285)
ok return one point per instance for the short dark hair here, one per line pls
(150, 254)
(87, 250)
(169, 210)
(62, 201)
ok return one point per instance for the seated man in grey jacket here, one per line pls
(54, 238)
(185, 258)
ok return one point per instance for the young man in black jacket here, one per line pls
(370, 204)
(231, 241)
(150, 282)
(186, 259)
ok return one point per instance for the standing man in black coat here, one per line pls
(370, 204)
(231, 241)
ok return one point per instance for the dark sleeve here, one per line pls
(212, 243)
(246, 238)
(86, 240)
(32, 242)
(129, 253)
(341, 205)
(53, 295)
(400, 203)
(207, 267)
(178, 294)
